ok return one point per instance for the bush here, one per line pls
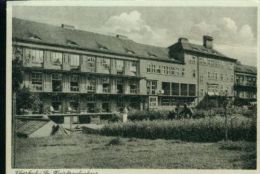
(148, 115)
(207, 129)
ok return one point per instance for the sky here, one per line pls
(234, 29)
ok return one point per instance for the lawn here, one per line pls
(96, 151)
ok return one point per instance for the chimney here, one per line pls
(66, 26)
(183, 40)
(208, 42)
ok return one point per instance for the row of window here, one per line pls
(91, 104)
(166, 70)
(246, 80)
(168, 101)
(215, 63)
(37, 57)
(171, 88)
(90, 85)
(217, 76)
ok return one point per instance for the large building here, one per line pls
(90, 72)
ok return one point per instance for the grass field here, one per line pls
(95, 151)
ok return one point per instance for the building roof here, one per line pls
(245, 69)
(49, 34)
(27, 126)
(195, 48)
(29, 31)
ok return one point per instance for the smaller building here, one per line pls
(245, 87)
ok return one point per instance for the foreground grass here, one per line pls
(209, 129)
(95, 151)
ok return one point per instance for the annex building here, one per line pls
(90, 72)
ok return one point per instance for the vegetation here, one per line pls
(93, 151)
(209, 129)
(27, 101)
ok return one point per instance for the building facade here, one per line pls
(88, 72)
(245, 84)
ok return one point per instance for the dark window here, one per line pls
(56, 82)
(166, 87)
(105, 107)
(119, 86)
(74, 83)
(165, 101)
(133, 87)
(56, 103)
(175, 89)
(105, 85)
(184, 89)
(192, 90)
(91, 85)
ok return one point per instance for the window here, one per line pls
(56, 58)
(184, 89)
(91, 63)
(56, 82)
(192, 90)
(172, 70)
(91, 85)
(105, 85)
(74, 61)
(158, 71)
(133, 87)
(153, 68)
(56, 103)
(105, 107)
(36, 56)
(73, 104)
(148, 68)
(37, 81)
(163, 69)
(166, 87)
(119, 86)
(133, 68)
(105, 63)
(91, 103)
(175, 89)
(119, 66)
(74, 83)
(151, 87)
(152, 101)
(165, 101)
(134, 103)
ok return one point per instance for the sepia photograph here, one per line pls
(133, 87)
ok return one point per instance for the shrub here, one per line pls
(203, 129)
(148, 115)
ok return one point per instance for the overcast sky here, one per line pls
(234, 28)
